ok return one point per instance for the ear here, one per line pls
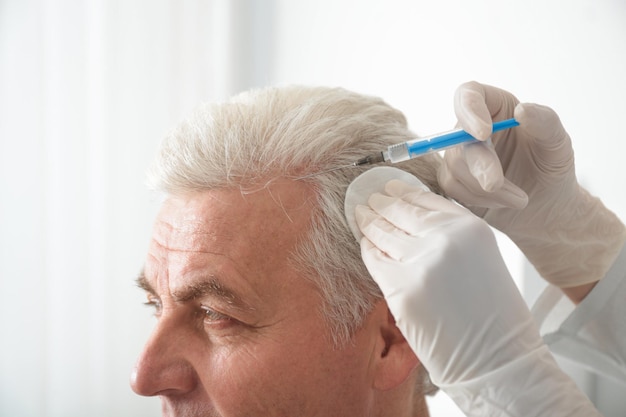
(395, 358)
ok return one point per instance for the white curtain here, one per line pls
(87, 90)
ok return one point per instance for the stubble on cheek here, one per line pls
(269, 378)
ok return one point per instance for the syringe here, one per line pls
(429, 144)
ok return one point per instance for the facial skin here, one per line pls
(239, 331)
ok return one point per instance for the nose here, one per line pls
(163, 367)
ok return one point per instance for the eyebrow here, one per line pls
(211, 287)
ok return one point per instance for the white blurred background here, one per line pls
(88, 88)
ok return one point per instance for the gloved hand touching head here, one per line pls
(454, 301)
(523, 183)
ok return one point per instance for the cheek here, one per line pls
(298, 377)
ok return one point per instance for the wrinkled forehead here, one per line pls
(243, 240)
(274, 213)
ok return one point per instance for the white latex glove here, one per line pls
(453, 299)
(524, 184)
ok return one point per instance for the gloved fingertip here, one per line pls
(487, 182)
(488, 176)
(362, 215)
(475, 126)
(484, 165)
(377, 197)
(513, 196)
(366, 244)
(473, 114)
(398, 188)
(540, 121)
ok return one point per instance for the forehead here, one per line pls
(282, 204)
(253, 230)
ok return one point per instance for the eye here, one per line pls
(154, 303)
(215, 318)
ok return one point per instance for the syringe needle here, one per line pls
(370, 159)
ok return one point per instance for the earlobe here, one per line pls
(396, 360)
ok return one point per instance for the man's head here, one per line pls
(264, 305)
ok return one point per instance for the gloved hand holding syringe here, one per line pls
(425, 145)
(440, 270)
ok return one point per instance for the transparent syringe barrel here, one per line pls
(397, 153)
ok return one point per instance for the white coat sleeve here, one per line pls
(592, 334)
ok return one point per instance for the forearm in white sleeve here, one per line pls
(593, 333)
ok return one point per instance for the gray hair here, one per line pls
(294, 132)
